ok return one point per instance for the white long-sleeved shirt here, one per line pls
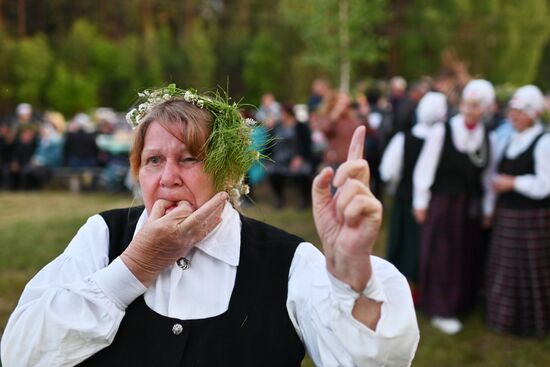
(465, 141)
(535, 186)
(73, 307)
(391, 165)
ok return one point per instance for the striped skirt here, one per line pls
(518, 275)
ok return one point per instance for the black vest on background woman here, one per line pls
(524, 164)
(411, 151)
(255, 330)
(456, 173)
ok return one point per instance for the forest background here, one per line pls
(72, 56)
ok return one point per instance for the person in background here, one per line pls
(269, 111)
(404, 116)
(320, 91)
(81, 153)
(337, 120)
(49, 152)
(20, 167)
(259, 142)
(396, 170)
(518, 274)
(24, 118)
(290, 157)
(188, 280)
(80, 149)
(7, 138)
(449, 200)
(21, 139)
(398, 91)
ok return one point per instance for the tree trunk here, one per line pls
(146, 12)
(397, 8)
(21, 18)
(1, 15)
(345, 64)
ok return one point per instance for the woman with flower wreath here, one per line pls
(187, 280)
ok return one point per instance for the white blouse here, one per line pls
(535, 186)
(391, 165)
(465, 141)
(73, 307)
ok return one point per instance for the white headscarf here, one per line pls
(481, 91)
(432, 108)
(23, 109)
(528, 99)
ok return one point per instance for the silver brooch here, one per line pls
(183, 263)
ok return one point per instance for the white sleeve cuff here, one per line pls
(421, 200)
(343, 294)
(119, 284)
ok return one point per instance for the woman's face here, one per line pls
(168, 171)
(472, 111)
(520, 119)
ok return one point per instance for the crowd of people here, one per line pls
(468, 182)
(35, 147)
(466, 176)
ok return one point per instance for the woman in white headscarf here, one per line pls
(447, 200)
(396, 169)
(518, 295)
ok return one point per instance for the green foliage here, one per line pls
(316, 23)
(543, 74)
(501, 40)
(71, 92)
(264, 66)
(200, 56)
(7, 83)
(32, 60)
(280, 46)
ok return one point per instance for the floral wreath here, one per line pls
(229, 152)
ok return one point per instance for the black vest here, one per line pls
(456, 174)
(524, 164)
(411, 151)
(255, 330)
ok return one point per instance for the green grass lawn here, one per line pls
(35, 227)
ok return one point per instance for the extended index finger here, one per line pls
(357, 144)
(207, 208)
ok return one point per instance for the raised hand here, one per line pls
(348, 223)
(169, 234)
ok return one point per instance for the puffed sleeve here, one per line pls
(73, 307)
(392, 159)
(426, 166)
(320, 308)
(537, 186)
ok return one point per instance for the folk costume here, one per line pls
(518, 296)
(245, 294)
(448, 182)
(269, 288)
(396, 171)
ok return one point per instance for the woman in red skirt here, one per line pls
(518, 281)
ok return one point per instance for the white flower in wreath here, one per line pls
(188, 96)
